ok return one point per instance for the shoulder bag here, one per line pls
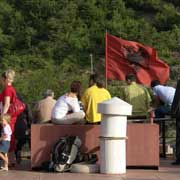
(16, 107)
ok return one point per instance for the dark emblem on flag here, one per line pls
(137, 57)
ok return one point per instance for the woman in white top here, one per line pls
(67, 108)
(5, 140)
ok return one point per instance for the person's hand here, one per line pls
(151, 109)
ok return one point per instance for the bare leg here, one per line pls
(2, 156)
(6, 161)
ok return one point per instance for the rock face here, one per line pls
(175, 72)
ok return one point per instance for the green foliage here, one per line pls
(147, 5)
(49, 42)
(116, 88)
(167, 17)
(24, 62)
(32, 84)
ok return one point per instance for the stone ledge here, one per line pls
(142, 144)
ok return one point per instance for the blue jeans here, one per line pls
(161, 111)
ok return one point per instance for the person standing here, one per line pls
(95, 94)
(7, 96)
(5, 140)
(22, 129)
(163, 98)
(43, 108)
(175, 112)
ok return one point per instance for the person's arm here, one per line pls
(125, 94)
(84, 101)
(6, 104)
(148, 98)
(35, 113)
(156, 101)
(4, 136)
(74, 104)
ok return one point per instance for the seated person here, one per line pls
(43, 108)
(95, 94)
(138, 96)
(163, 98)
(67, 109)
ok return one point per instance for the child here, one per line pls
(5, 140)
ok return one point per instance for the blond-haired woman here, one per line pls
(7, 96)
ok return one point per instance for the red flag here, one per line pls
(123, 57)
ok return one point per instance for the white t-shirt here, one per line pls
(7, 132)
(164, 93)
(63, 105)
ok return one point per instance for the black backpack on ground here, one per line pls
(63, 154)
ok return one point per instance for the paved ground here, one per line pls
(165, 172)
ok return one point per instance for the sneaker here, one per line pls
(3, 169)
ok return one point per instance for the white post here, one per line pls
(113, 135)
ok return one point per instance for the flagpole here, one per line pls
(106, 60)
(92, 69)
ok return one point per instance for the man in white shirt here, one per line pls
(163, 96)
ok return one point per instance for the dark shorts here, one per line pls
(4, 146)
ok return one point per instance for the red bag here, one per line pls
(16, 108)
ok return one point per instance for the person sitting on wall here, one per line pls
(67, 109)
(43, 108)
(95, 94)
(138, 96)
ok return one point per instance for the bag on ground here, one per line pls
(64, 153)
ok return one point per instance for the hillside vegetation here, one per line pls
(49, 42)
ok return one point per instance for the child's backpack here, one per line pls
(64, 153)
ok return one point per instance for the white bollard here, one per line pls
(112, 126)
(113, 135)
(113, 156)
